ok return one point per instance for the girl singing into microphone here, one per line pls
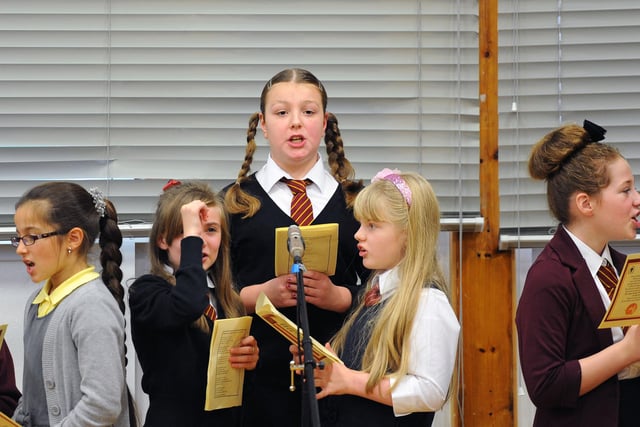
(294, 120)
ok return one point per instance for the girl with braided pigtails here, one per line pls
(294, 119)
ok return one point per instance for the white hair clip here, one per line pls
(98, 200)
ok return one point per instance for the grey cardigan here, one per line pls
(83, 362)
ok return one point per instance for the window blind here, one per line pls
(562, 62)
(124, 95)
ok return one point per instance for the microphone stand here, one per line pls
(309, 387)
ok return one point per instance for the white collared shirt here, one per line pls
(594, 261)
(319, 192)
(212, 294)
(434, 346)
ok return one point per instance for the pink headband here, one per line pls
(394, 177)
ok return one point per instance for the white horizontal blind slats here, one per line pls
(126, 94)
(563, 62)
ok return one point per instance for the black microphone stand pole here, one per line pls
(309, 387)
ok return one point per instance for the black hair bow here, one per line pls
(596, 132)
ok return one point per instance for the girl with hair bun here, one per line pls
(576, 374)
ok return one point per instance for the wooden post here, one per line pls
(481, 275)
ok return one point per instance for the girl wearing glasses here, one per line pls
(74, 364)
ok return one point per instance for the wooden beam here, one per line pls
(482, 276)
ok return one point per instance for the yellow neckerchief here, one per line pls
(47, 302)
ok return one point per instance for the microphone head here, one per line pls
(295, 243)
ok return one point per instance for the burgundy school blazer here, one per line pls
(557, 322)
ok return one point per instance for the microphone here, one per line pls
(295, 243)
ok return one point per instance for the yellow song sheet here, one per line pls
(3, 330)
(625, 303)
(268, 312)
(320, 253)
(5, 421)
(224, 383)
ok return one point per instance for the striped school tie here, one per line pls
(301, 209)
(608, 278)
(372, 296)
(211, 312)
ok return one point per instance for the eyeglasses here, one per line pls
(30, 239)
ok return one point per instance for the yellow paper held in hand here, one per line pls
(268, 312)
(625, 303)
(5, 421)
(224, 383)
(3, 330)
(320, 253)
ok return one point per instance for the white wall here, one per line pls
(15, 287)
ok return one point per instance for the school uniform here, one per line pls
(267, 400)
(74, 364)
(557, 322)
(433, 344)
(174, 354)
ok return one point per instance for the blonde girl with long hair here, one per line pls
(399, 345)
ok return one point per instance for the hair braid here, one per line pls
(254, 120)
(340, 166)
(236, 199)
(110, 242)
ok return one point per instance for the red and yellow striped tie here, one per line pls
(211, 312)
(301, 209)
(608, 278)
